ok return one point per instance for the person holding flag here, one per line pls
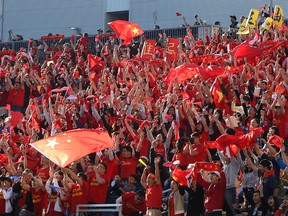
(214, 191)
(152, 184)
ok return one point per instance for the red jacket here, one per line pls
(214, 193)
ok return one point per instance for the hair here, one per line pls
(276, 130)
(60, 173)
(266, 163)
(230, 131)
(195, 134)
(105, 166)
(134, 176)
(128, 148)
(83, 176)
(141, 193)
(180, 144)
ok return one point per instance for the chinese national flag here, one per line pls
(276, 140)
(125, 30)
(212, 145)
(64, 148)
(182, 176)
(182, 72)
(242, 141)
(217, 93)
(16, 118)
(244, 50)
(280, 89)
(178, 14)
(171, 49)
(93, 61)
(208, 166)
(148, 49)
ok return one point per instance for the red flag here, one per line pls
(217, 93)
(244, 50)
(64, 148)
(242, 141)
(212, 72)
(182, 176)
(176, 130)
(148, 49)
(208, 166)
(280, 89)
(52, 37)
(182, 72)
(276, 140)
(171, 49)
(93, 61)
(8, 107)
(94, 77)
(35, 122)
(16, 118)
(125, 30)
(178, 14)
(212, 145)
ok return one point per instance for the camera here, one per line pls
(192, 140)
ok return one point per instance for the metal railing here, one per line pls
(109, 208)
(198, 32)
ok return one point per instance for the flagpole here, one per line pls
(270, 8)
(2, 20)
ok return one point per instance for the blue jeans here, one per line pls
(230, 198)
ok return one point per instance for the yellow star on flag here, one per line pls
(135, 31)
(220, 96)
(52, 143)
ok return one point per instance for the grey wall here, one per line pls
(34, 18)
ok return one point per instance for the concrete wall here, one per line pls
(34, 18)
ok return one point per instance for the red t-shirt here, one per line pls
(3, 98)
(97, 192)
(112, 168)
(202, 153)
(281, 121)
(43, 173)
(79, 195)
(2, 204)
(22, 199)
(16, 97)
(154, 196)
(145, 146)
(204, 136)
(39, 199)
(160, 149)
(128, 166)
(129, 207)
(182, 158)
(83, 41)
(52, 201)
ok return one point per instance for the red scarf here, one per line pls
(269, 173)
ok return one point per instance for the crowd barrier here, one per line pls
(198, 31)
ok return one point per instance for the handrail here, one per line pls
(99, 208)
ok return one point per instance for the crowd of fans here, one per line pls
(151, 121)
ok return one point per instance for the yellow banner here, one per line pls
(252, 18)
(243, 29)
(266, 25)
(278, 17)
